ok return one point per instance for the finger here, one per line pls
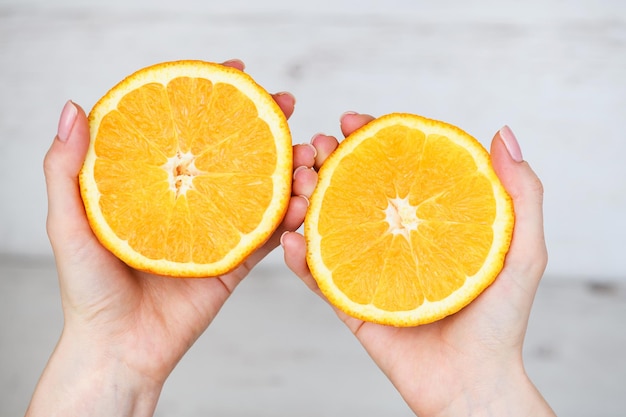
(304, 155)
(294, 247)
(324, 146)
(235, 63)
(66, 215)
(527, 256)
(293, 219)
(304, 181)
(351, 121)
(294, 216)
(286, 101)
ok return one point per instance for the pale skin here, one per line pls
(125, 330)
(469, 363)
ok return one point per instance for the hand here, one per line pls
(469, 363)
(124, 329)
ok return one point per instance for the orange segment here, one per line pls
(250, 150)
(408, 223)
(190, 101)
(120, 139)
(188, 170)
(147, 109)
(251, 191)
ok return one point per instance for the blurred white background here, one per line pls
(551, 69)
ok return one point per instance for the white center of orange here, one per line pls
(181, 170)
(401, 216)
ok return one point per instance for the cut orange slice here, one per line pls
(188, 169)
(408, 223)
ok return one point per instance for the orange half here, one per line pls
(408, 223)
(188, 169)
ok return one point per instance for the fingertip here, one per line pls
(304, 181)
(351, 121)
(287, 96)
(291, 240)
(66, 121)
(515, 174)
(67, 152)
(235, 63)
(296, 211)
(510, 143)
(286, 101)
(294, 247)
(304, 154)
(324, 146)
(345, 114)
(298, 170)
(282, 243)
(307, 201)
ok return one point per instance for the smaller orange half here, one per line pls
(408, 223)
(188, 169)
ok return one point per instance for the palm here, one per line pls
(153, 319)
(414, 357)
(131, 323)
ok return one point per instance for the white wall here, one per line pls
(551, 69)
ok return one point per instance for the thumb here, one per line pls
(527, 256)
(66, 221)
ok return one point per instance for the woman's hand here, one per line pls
(469, 363)
(125, 330)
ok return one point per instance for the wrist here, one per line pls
(509, 392)
(80, 380)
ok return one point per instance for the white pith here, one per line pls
(181, 170)
(401, 216)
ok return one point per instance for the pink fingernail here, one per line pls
(348, 113)
(511, 144)
(281, 238)
(312, 147)
(66, 121)
(308, 202)
(287, 93)
(314, 137)
(300, 168)
(237, 62)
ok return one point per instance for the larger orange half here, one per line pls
(188, 170)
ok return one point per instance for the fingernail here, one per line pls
(66, 121)
(309, 145)
(281, 238)
(287, 93)
(237, 62)
(315, 137)
(300, 168)
(308, 202)
(347, 113)
(511, 144)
